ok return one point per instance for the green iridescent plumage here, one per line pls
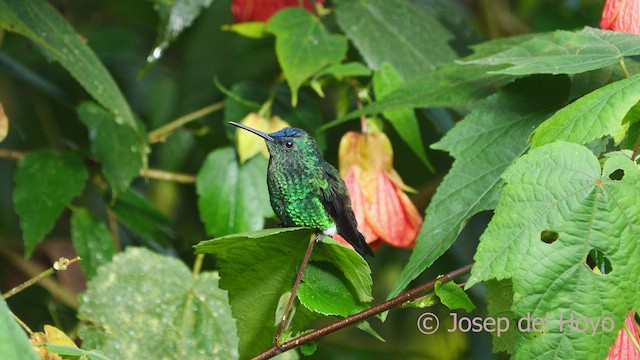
(307, 191)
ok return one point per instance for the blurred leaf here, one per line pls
(594, 115)
(304, 46)
(499, 302)
(175, 16)
(145, 305)
(92, 240)
(366, 327)
(249, 144)
(453, 297)
(562, 187)
(309, 348)
(46, 181)
(482, 153)
(250, 29)
(113, 143)
(323, 289)
(67, 350)
(4, 123)
(398, 32)
(41, 23)
(404, 121)
(258, 267)
(231, 197)
(136, 213)
(57, 337)
(340, 71)
(14, 344)
(447, 85)
(564, 52)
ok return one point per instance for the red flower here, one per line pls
(624, 348)
(261, 10)
(621, 15)
(384, 212)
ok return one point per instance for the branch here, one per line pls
(160, 134)
(396, 301)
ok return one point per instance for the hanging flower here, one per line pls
(624, 347)
(261, 10)
(383, 211)
(621, 15)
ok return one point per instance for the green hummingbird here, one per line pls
(305, 190)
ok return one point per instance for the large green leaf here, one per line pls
(232, 197)
(561, 188)
(92, 240)
(258, 267)
(499, 302)
(324, 291)
(304, 46)
(484, 145)
(14, 344)
(175, 17)
(404, 121)
(447, 85)
(46, 181)
(114, 144)
(564, 52)
(41, 23)
(594, 115)
(398, 32)
(145, 305)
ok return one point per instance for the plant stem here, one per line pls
(21, 323)
(161, 133)
(396, 301)
(14, 155)
(635, 151)
(624, 68)
(35, 271)
(169, 176)
(197, 265)
(633, 339)
(294, 291)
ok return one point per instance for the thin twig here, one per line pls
(59, 265)
(294, 291)
(169, 176)
(161, 133)
(112, 222)
(21, 323)
(197, 265)
(14, 155)
(396, 301)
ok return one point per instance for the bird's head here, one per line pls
(287, 142)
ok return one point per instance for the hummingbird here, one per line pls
(305, 190)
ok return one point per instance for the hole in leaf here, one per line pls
(617, 175)
(549, 236)
(597, 260)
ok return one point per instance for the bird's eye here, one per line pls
(288, 144)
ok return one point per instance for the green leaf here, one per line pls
(41, 23)
(114, 144)
(145, 305)
(499, 302)
(304, 46)
(453, 297)
(482, 152)
(92, 240)
(46, 181)
(594, 115)
(323, 290)
(175, 17)
(231, 197)
(14, 344)
(74, 351)
(258, 267)
(404, 121)
(135, 212)
(447, 85)
(250, 29)
(562, 188)
(564, 52)
(366, 327)
(340, 71)
(397, 32)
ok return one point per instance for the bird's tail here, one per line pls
(360, 245)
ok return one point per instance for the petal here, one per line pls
(392, 216)
(358, 205)
(624, 348)
(621, 15)
(261, 10)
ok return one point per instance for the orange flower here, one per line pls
(384, 212)
(624, 348)
(621, 15)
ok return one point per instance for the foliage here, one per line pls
(537, 109)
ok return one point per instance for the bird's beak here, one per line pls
(257, 132)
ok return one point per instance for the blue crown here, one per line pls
(288, 132)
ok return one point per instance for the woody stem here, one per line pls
(294, 290)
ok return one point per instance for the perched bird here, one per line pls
(305, 190)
